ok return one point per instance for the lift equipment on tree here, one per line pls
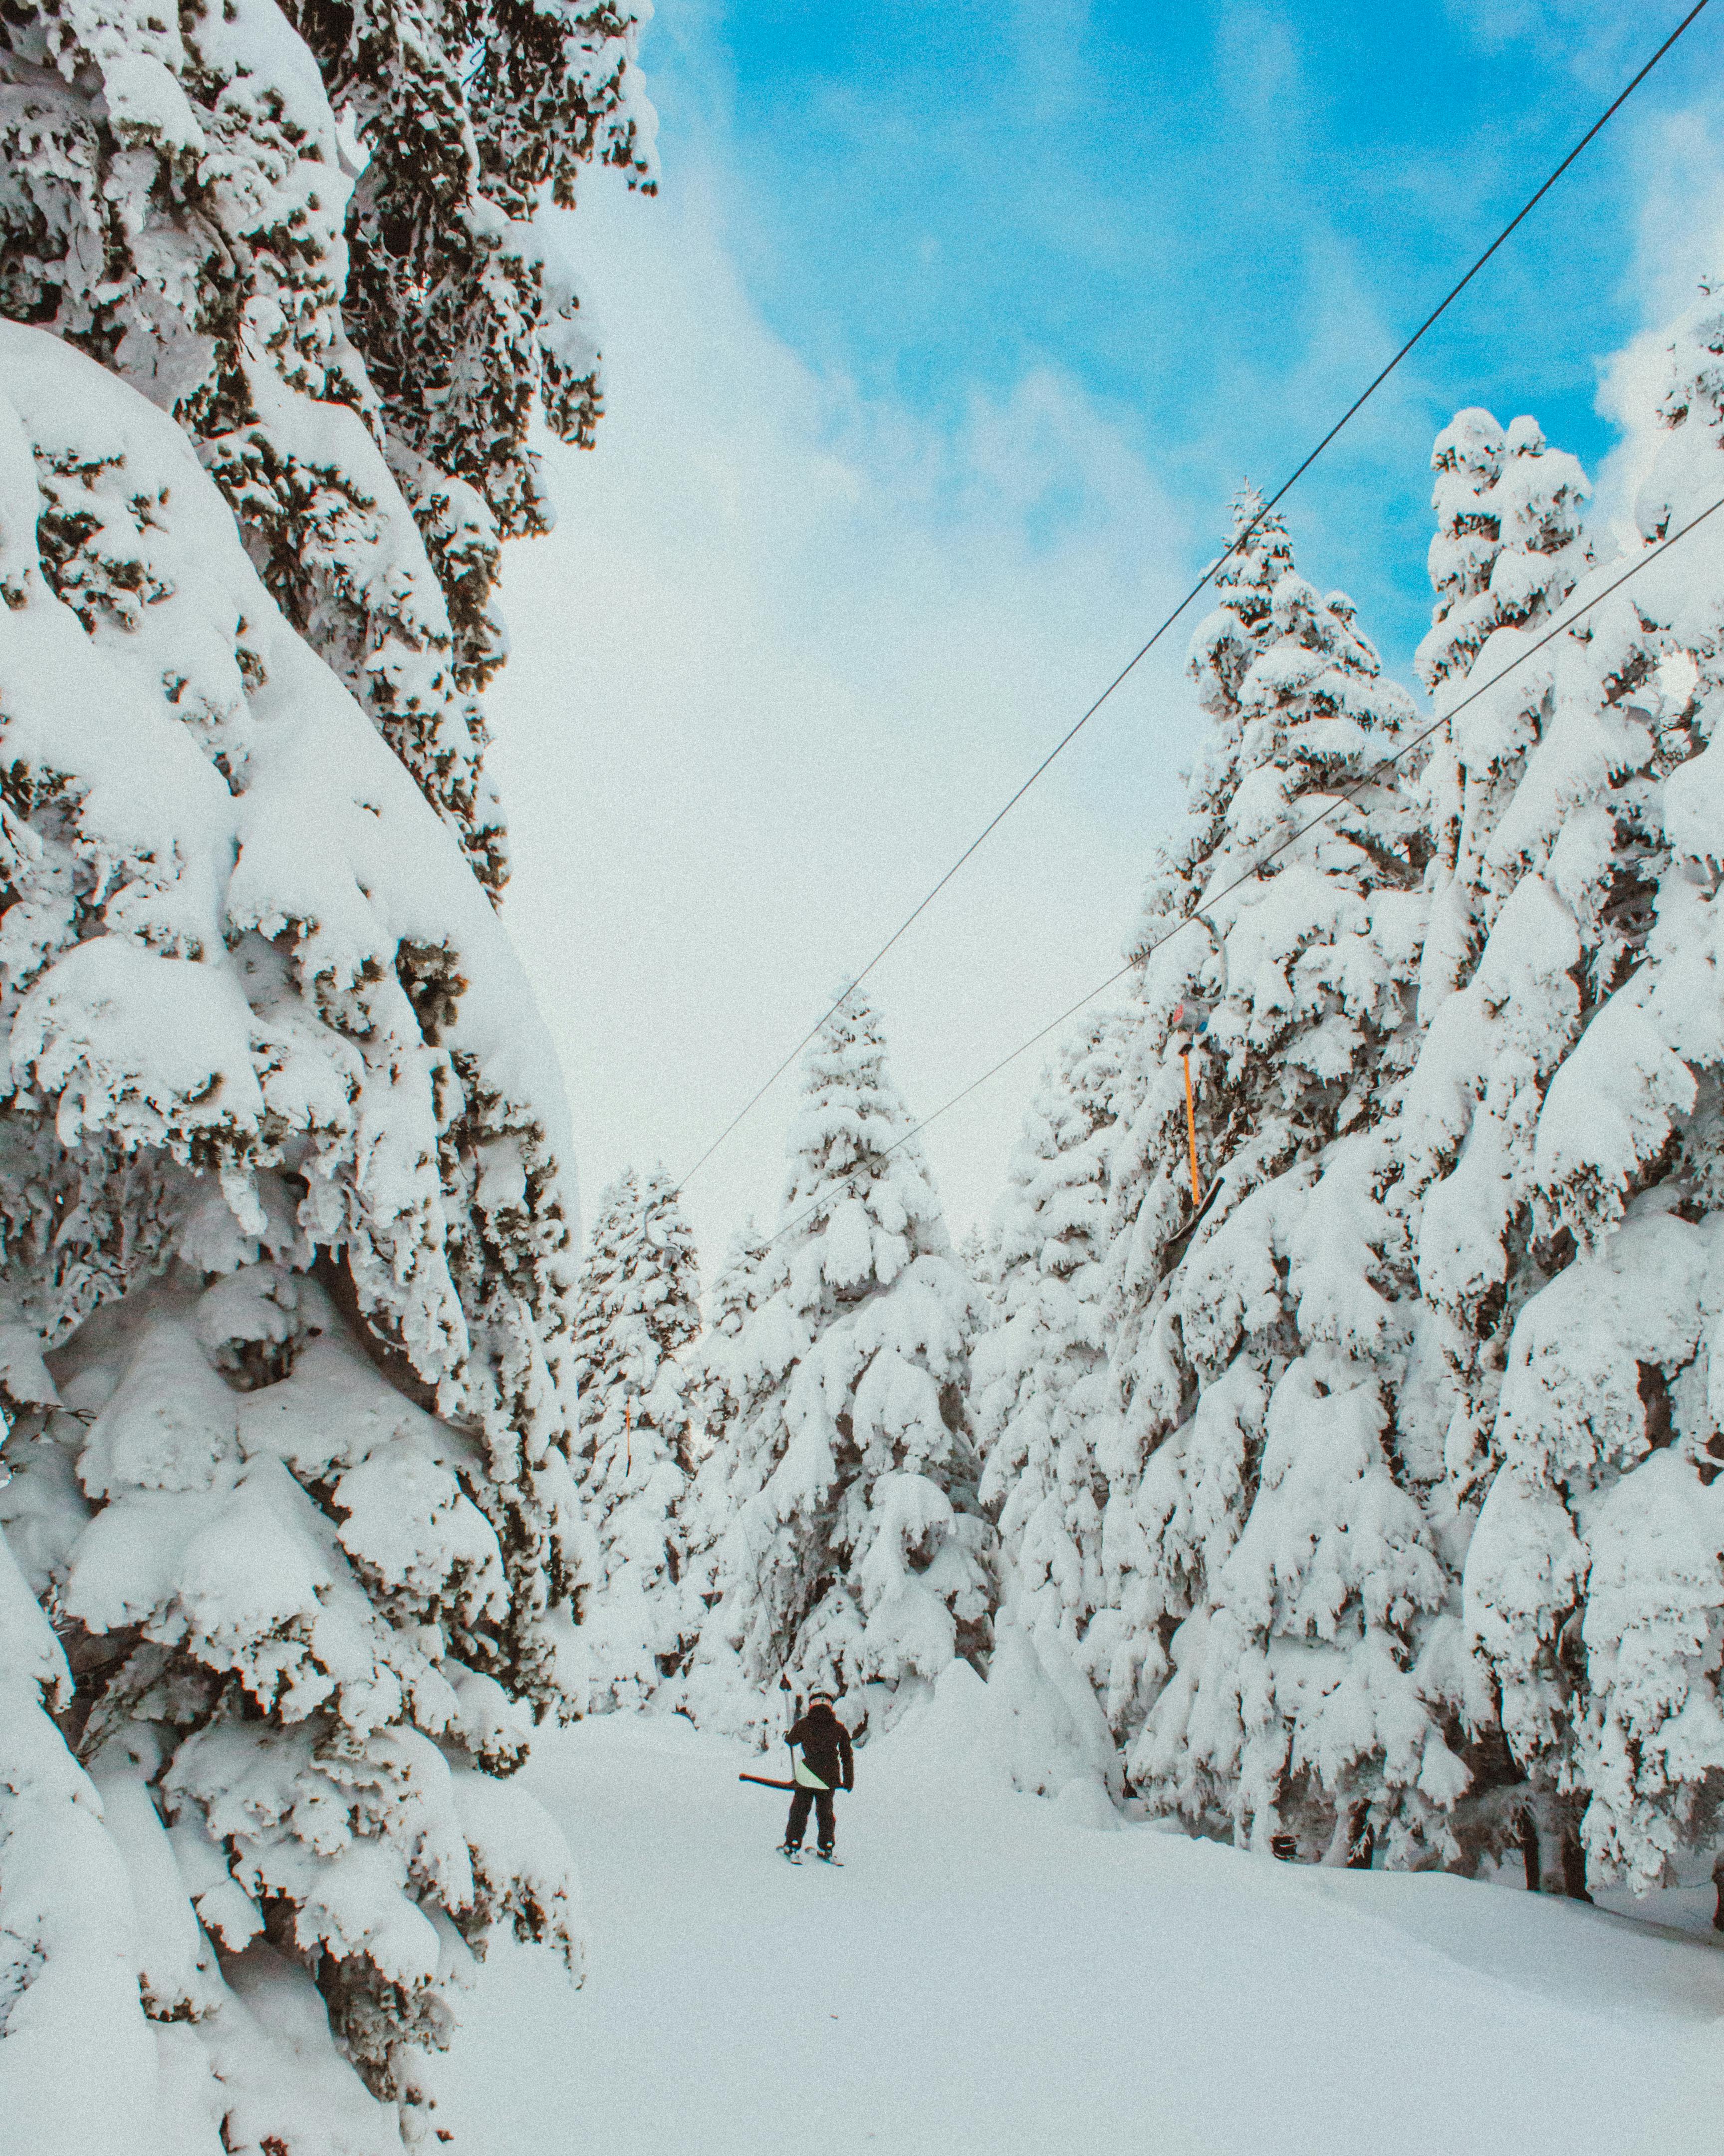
(1192, 1018)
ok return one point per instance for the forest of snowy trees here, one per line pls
(1356, 1505)
(1359, 1505)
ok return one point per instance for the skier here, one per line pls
(826, 1755)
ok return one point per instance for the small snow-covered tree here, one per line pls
(1039, 1379)
(735, 1292)
(720, 1399)
(980, 1256)
(1272, 1582)
(855, 1554)
(1595, 1576)
(638, 1316)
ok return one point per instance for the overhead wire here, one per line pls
(1149, 644)
(1250, 874)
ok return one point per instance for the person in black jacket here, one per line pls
(826, 1764)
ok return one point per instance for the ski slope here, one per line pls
(993, 1974)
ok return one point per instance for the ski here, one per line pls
(826, 1857)
(790, 1856)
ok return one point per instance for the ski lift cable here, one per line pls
(1144, 649)
(1250, 874)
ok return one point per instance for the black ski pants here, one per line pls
(826, 1828)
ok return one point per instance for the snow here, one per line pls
(990, 1974)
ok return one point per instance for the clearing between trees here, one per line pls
(1001, 1973)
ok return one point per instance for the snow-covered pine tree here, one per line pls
(979, 1255)
(1595, 1576)
(856, 1550)
(711, 1682)
(1508, 549)
(283, 979)
(1039, 1379)
(177, 200)
(735, 1292)
(300, 1511)
(1271, 1578)
(172, 203)
(637, 1317)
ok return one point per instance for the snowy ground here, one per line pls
(992, 1974)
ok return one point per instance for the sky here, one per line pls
(929, 373)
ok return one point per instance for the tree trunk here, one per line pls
(1529, 1849)
(1574, 1867)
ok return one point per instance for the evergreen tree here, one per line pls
(281, 1161)
(855, 1553)
(638, 1315)
(713, 1684)
(1508, 550)
(1595, 1577)
(289, 1476)
(979, 1255)
(1271, 1577)
(735, 1292)
(1039, 1377)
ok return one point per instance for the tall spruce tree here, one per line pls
(1508, 550)
(300, 1556)
(283, 1162)
(1272, 1580)
(638, 1318)
(1595, 1576)
(855, 1554)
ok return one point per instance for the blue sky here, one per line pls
(928, 373)
(1220, 219)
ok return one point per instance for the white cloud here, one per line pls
(786, 653)
(1678, 175)
(1600, 42)
(1676, 172)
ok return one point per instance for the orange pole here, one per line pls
(1191, 1127)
